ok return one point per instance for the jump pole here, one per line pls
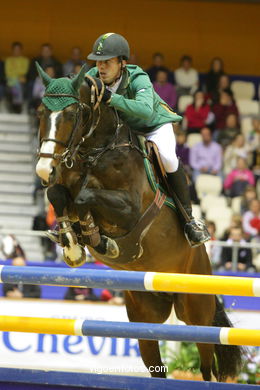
(22, 379)
(132, 280)
(145, 331)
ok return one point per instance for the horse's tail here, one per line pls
(229, 357)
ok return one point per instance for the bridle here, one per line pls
(90, 158)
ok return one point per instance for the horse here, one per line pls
(97, 184)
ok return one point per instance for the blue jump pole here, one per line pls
(14, 379)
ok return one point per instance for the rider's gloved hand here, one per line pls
(106, 95)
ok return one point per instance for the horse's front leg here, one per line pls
(74, 254)
(117, 208)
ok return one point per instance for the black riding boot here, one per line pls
(195, 231)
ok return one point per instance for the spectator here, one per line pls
(75, 59)
(228, 134)
(182, 150)
(214, 74)
(198, 114)
(16, 68)
(206, 156)
(213, 251)
(186, 78)
(165, 89)
(158, 64)
(81, 294)
(10, 247)
(248, 195)
(21, 290)
(238, 179)
(244, 254)
(238, 148)
(251, 220)
(253, 138)
(236, 222)
(225, 106)
(45, 59)
(223, 85)
(38, 89)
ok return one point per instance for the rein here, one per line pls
(92, 157)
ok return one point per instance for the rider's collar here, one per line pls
(124, 82)
(113, 88)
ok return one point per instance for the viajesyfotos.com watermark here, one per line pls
(116, 370)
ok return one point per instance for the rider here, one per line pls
(130, 91)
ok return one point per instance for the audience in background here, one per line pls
(229, 132)
(238, 179)
(186, 77)
(39, 88)
(223, 85)
(21, 290)
(212, 78)
(165, 89)
(182, 150)
(158, 64)
(10, 247)
(224, 107)
(2, 80)
(16, 68)
(251, 220)
(244, 254)
(248, 195)
(206, 156)
(213, 251)
(237, 148)
(198, 114)
(75, 59)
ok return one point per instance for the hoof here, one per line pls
(112, 250)
(75, 256)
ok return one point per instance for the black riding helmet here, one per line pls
(108, 46)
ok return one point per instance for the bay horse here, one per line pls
(98, 187)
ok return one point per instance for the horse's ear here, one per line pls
(46, 79)
(78, 80)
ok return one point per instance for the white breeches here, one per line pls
(164, 138)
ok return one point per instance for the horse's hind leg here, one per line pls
(149, 307)
(199, 310)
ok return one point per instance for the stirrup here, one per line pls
(196, 233)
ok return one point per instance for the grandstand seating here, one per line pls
(243, 89)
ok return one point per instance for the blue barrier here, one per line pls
(12, 379)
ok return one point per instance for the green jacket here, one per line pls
(139, 105)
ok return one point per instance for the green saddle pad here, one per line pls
(150, 174)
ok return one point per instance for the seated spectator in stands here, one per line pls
(223, 85)
(2, 80)
(182, 150)
(186, 77)
(256, 165)
(213, 251)
(244, 261)
(251, 220)
(16, 68)
(228, 134)
(21, 290)
(81, 294)
(45, 59)
(253, 138)
(198, 114)
(224, 107)
(133, 59)
(10, 247)
(215, 72)
(158, 64)
(238, 179)
(237, 148)
(39, 89)
(165, 89)
(75, 59)
(206, 156)
(236, 222)
(248, 195)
